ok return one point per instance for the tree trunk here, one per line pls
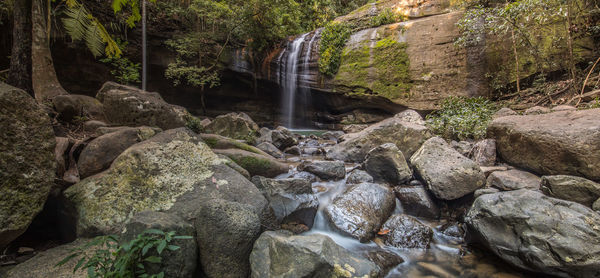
(45, 82)
(19, 74)
(570, 42)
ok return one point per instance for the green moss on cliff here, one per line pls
(382, 69)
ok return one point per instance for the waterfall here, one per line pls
(290, 82)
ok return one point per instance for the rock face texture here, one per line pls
(255, 163)
(415, 201)
(234, 125)
(131, 106)
(571, 188)
(558, 143)
(361, 210)
(538, 233)
(71, 106)
(447, 174)
(403, 130)
(403, 231)
(513, 180)
(387, 163)
(327, 170)
(278, 254)
(27, 161)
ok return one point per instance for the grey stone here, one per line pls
(387, 163)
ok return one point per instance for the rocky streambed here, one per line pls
(387, 200)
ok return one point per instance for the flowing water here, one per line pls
(290, 80)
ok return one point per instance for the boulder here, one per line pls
(415, 201)
(292, 200)
(483, 191)
(332, 135)
(72, 107)
(402, 131)
(27, 161)
(225, 232)
(571, 188)
(293, 150)
(387, 163)
(537, 233)
(360, 211)
(270, 149)
(100, 152)
(130, 106)
(447, 174)
(358, 176)
(221, 142)
(254, 163)
(513, 180)
(484, 152)
(327, 170)
(558, 143)
(403, 231)
(180, 263)
(282, 138)
(234, 166)
(280, 254)
(174, 172)
(537, 110)
(234, 125)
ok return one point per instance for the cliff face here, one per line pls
(413, 63)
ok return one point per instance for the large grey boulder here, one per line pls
(358, 176)
(571, 188)
(283, 138)
(403, 231)
(98, 154)
(279, 254)
(174, 171)
(447, 174)
(292, 200)
(270, 149)
(255, 163)
(387, 163)
(27, 161)
(130, 106)
(538, 233)
(558, 143)
(180, 263)
(415, 201)
(360, 211)
(513, 180)
(327, 170)
(406, 130)
(234, 125)
(226, 232)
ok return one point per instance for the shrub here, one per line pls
(462, 118)
(333, 40)
(194, 124)
(111, 260)
(385, 17)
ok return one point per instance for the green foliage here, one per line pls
(333, 40)
(109, 259)
(385, 17)
(124, 70)
(593, 104)
(194, 124)
(462, 118)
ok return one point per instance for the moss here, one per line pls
(211, 142)
(253, 164)
(382, 70)
(246, 147)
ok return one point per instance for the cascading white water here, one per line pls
(290, 82)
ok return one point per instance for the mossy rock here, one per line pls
(255, 164)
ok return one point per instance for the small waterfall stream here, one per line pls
(290, 81)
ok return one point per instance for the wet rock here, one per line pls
(305, 176)
(270, 149)
(387, 163)
(536, 110)
(453, 230)
(283, 138)
(361, 210)
(558, 143)
(180, 263)
(537, 232)
(174, 171)
(327, 170)
(293, 150)
(403, 231)
(279, 254)
(452, 175)
(226, 232)
(358, 176)
(236, 126)
(415, 183)
(571, 188)
(130, 106)
(402, 131)
(482, 191)
(513, 180)
(256, 164)
(332, 135)
(27, 161)
(312, 151)
(292, 200)
(100, 152)
(72, 107)
(503, 112)
(484, 152)
(415, 201)
(384, 259)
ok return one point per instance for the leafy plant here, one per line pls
(124, 70)
(385, 17)
(333, 39)
(113, 260)
(462, 118)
